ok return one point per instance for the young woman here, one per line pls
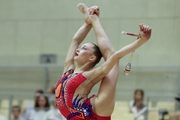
(73, 88)
(41, 108)
(138, 103)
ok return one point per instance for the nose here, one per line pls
(77, 50)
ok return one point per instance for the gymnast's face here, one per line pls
(85, 54)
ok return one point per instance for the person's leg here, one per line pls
(105, 99)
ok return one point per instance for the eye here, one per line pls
(84, 48)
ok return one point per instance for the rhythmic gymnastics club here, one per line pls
(127, 68)
(130, 34)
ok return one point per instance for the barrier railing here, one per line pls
(49, 73)
(141, 112)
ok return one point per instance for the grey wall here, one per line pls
(29, 28)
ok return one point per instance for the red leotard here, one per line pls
(74, 109)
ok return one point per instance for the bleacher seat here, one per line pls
(4, 103)
(121, 111)
(4, 107)
(166, 105)
(153, 115)
(26, 102)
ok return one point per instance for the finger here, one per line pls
(149, 28)
(91, 11)
(145, 28)
(97, 12)
(97, 7)
(141, 27)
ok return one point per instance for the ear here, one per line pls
(92, 58)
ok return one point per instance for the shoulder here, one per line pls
(131, 103)
(64, 75)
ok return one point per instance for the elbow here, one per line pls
(105, 70)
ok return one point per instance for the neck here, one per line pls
(84, 67)
(138, 100)
(16, 117)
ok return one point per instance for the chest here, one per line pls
(72, 82)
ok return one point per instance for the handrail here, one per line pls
(140, 113)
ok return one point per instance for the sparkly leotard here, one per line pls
(74, 109)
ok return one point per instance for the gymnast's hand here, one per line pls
(94, 10)
(145, 32)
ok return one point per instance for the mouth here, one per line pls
(76, 54)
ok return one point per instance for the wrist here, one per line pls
(87, 25)
(140, 39)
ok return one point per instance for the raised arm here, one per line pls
(76, 41)
(145, 33)
(78, 38)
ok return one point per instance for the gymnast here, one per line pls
(76, 83)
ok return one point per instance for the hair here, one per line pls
(39, 91)
(97, 53)
(16, 107)
(36, 105)
(139, 104)
(142, 94)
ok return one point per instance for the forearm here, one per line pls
(129, 48)
(82, 33)
(76, 40)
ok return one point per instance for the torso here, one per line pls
(72, 96)
(68, 101)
